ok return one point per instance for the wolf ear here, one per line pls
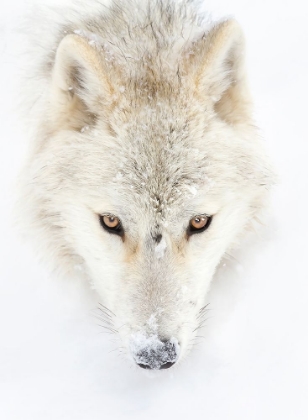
(220, 71)
(80, 86)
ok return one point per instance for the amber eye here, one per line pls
(112, 224)
(199, 224)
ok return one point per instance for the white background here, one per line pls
(252, 363)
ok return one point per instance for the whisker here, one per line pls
(202, 317)
(108, 328)
(107, 309)
(101, 318)
(199, 327)
(203, 307)
(231, 257)
(105, 313)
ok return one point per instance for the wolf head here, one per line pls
(147, 170)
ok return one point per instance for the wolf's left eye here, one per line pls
(199, 224)
(112, 224)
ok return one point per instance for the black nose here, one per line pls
(162, 355)
(164, 366)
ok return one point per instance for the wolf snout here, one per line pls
(154, 353)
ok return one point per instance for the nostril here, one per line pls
(144, 366)
(167, 365)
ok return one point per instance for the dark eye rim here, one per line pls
(117, 230)
(192, 231)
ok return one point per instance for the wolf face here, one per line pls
(147, 167)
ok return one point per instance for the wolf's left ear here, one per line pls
(220, 73)
(80, 85)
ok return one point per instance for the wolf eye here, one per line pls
(199, 224)
(112, 224)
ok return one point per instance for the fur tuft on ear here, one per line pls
(220, 73)
(80, 86)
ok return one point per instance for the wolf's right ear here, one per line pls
(80, 86)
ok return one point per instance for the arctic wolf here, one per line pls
(145, 166)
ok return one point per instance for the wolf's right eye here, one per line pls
(112, 224)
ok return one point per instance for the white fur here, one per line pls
(141, 110)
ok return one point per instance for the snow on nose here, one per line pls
(152, 353)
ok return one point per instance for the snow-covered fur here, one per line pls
(140, 109)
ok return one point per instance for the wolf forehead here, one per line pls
(154, 154)
(157, 155)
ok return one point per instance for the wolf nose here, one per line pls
(157, 354)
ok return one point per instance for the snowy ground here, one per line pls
(54, 362)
